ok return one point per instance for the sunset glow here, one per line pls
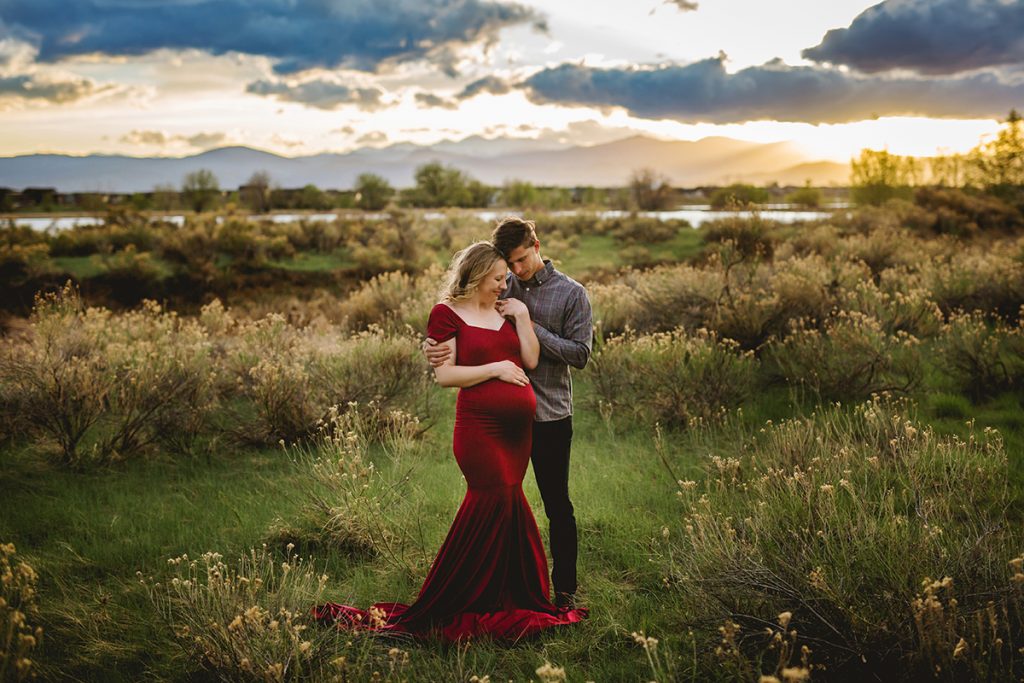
(565, 73)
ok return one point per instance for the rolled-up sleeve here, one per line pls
(574, 348)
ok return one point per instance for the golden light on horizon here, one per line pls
(911, 135)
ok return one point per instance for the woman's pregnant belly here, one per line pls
(498, 400)
(493, 432)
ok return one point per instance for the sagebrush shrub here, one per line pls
(392, 301)
(385, 245)
(881, 249)
(969, 280)
(250, 244)
(20, 632)
(749, 318)
(641, 231)
(22, 262)
(753, 237)
(291, 376)
(657, 300)
(828, 516)
(900, 308)
(809, 287)
(982, 356)
(958, 212)
(250, 621)
(673, 378)
(369, 366)
(105, 386)
(350, 501)
(850, 357)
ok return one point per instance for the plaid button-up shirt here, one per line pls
(563, 321)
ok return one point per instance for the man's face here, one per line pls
(524, 262)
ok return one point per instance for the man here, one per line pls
(563, 322)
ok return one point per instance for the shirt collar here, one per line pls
(542, 275)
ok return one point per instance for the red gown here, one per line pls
(490, 576)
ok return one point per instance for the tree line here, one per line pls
(436, 186)
(994, 168)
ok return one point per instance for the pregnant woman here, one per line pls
(490, 576)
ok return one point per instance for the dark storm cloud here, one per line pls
(491, 84)
(296, 34)
(928, 36)
(319, 93)
(30, 87)
(705, 92)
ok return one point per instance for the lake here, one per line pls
(695, 215)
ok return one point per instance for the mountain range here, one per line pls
(709, 161)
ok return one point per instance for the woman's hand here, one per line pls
(507, 371)
(529, 346)
(512, 308)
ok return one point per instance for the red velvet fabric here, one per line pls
(490, 576)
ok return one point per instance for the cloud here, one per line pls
(156, 138)
(928, 36)
(683, 5)
(429, 100)
(373, 138)
(206, 140)
(54, 90)
(491, 84)
(297, 35)
(144, 137)
(14, 53)
(290, 143)
(320, 93)
(705, 92)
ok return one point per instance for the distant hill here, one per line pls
(710, 161)
(818, 172)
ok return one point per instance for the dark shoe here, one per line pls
(565, 601)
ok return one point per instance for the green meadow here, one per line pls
(797, 454)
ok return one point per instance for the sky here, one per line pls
(302, 77)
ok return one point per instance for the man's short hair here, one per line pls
(513, 232)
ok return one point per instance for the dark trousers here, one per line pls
(550, 455)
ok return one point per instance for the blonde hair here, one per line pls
(468, 268)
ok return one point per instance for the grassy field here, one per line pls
(794, 457)
(88, 535)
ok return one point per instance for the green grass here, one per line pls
(314, 262)
(85, 267)
(87, 535)
(81, 267)
(597, 253)
(687, 244)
